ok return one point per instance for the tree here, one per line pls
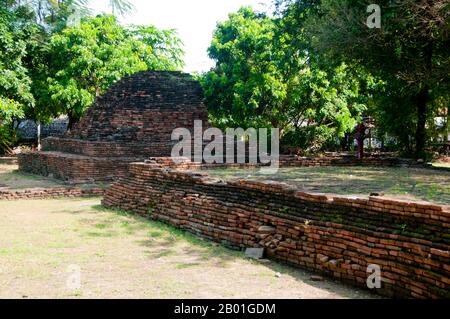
(120, 6)
(86, 60)
(245, 87)
(15, 83)
(409, 51)
(51, 14)
(60, 66)
(264, 76)
(33, 23)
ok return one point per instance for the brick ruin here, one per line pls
(336, 236)
(55, 192)
(126, 136)
(131, 122)
(185, 163)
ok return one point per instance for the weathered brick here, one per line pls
(321, 245)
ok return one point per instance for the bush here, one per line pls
(7, 139)
(311, 139)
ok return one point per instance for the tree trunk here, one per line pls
(422, 99)
(72, 121)
(38, 123)
(360, 142)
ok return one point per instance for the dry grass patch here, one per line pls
(11, 178)
(413, 184)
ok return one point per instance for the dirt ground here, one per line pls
(44, 243)
(10, 178)
(412, 184)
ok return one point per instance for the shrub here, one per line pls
(7, 139)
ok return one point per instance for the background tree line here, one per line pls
(315, 69)
(55, 58)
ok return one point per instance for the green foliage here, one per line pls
(15, 83)
(265, 76)
(9, 110)
(54, 15)
(7, 139)
(327, 105)
(25, 28)
(86, 60)
(409, 51)
(245, 88)
(15, 91)
(55, 59)
(166, 48)
(313, 70)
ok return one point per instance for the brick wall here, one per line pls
(50, 193)
(299, 161)
(105, 149)
(73, 168)
(335, 236)
(144, 107)
(132, 121)
(289, 161)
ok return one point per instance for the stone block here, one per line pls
(255, 253)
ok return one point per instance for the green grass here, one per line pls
(403, 183)
(126, 256)
(12, 179)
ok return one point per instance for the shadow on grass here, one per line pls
(164, 238)
(163, 235)
(11, 178)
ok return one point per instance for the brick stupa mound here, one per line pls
(134, 120)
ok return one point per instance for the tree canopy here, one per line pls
(84, 61)
(317, 67)
(266, 77)
(409, 52)
(15, 84)
(51, 65)
(314, 69)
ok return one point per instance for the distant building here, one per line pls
(28, 129)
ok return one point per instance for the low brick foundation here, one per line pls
(132, 121)
(299, 161)
(109, 149)
(51, 193)
(335, 236)
(80, 167)
(74, 169)
(184, 163)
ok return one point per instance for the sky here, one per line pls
(195, 21)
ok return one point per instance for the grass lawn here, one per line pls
(125, 256)
(10, 178)
(413, 184)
